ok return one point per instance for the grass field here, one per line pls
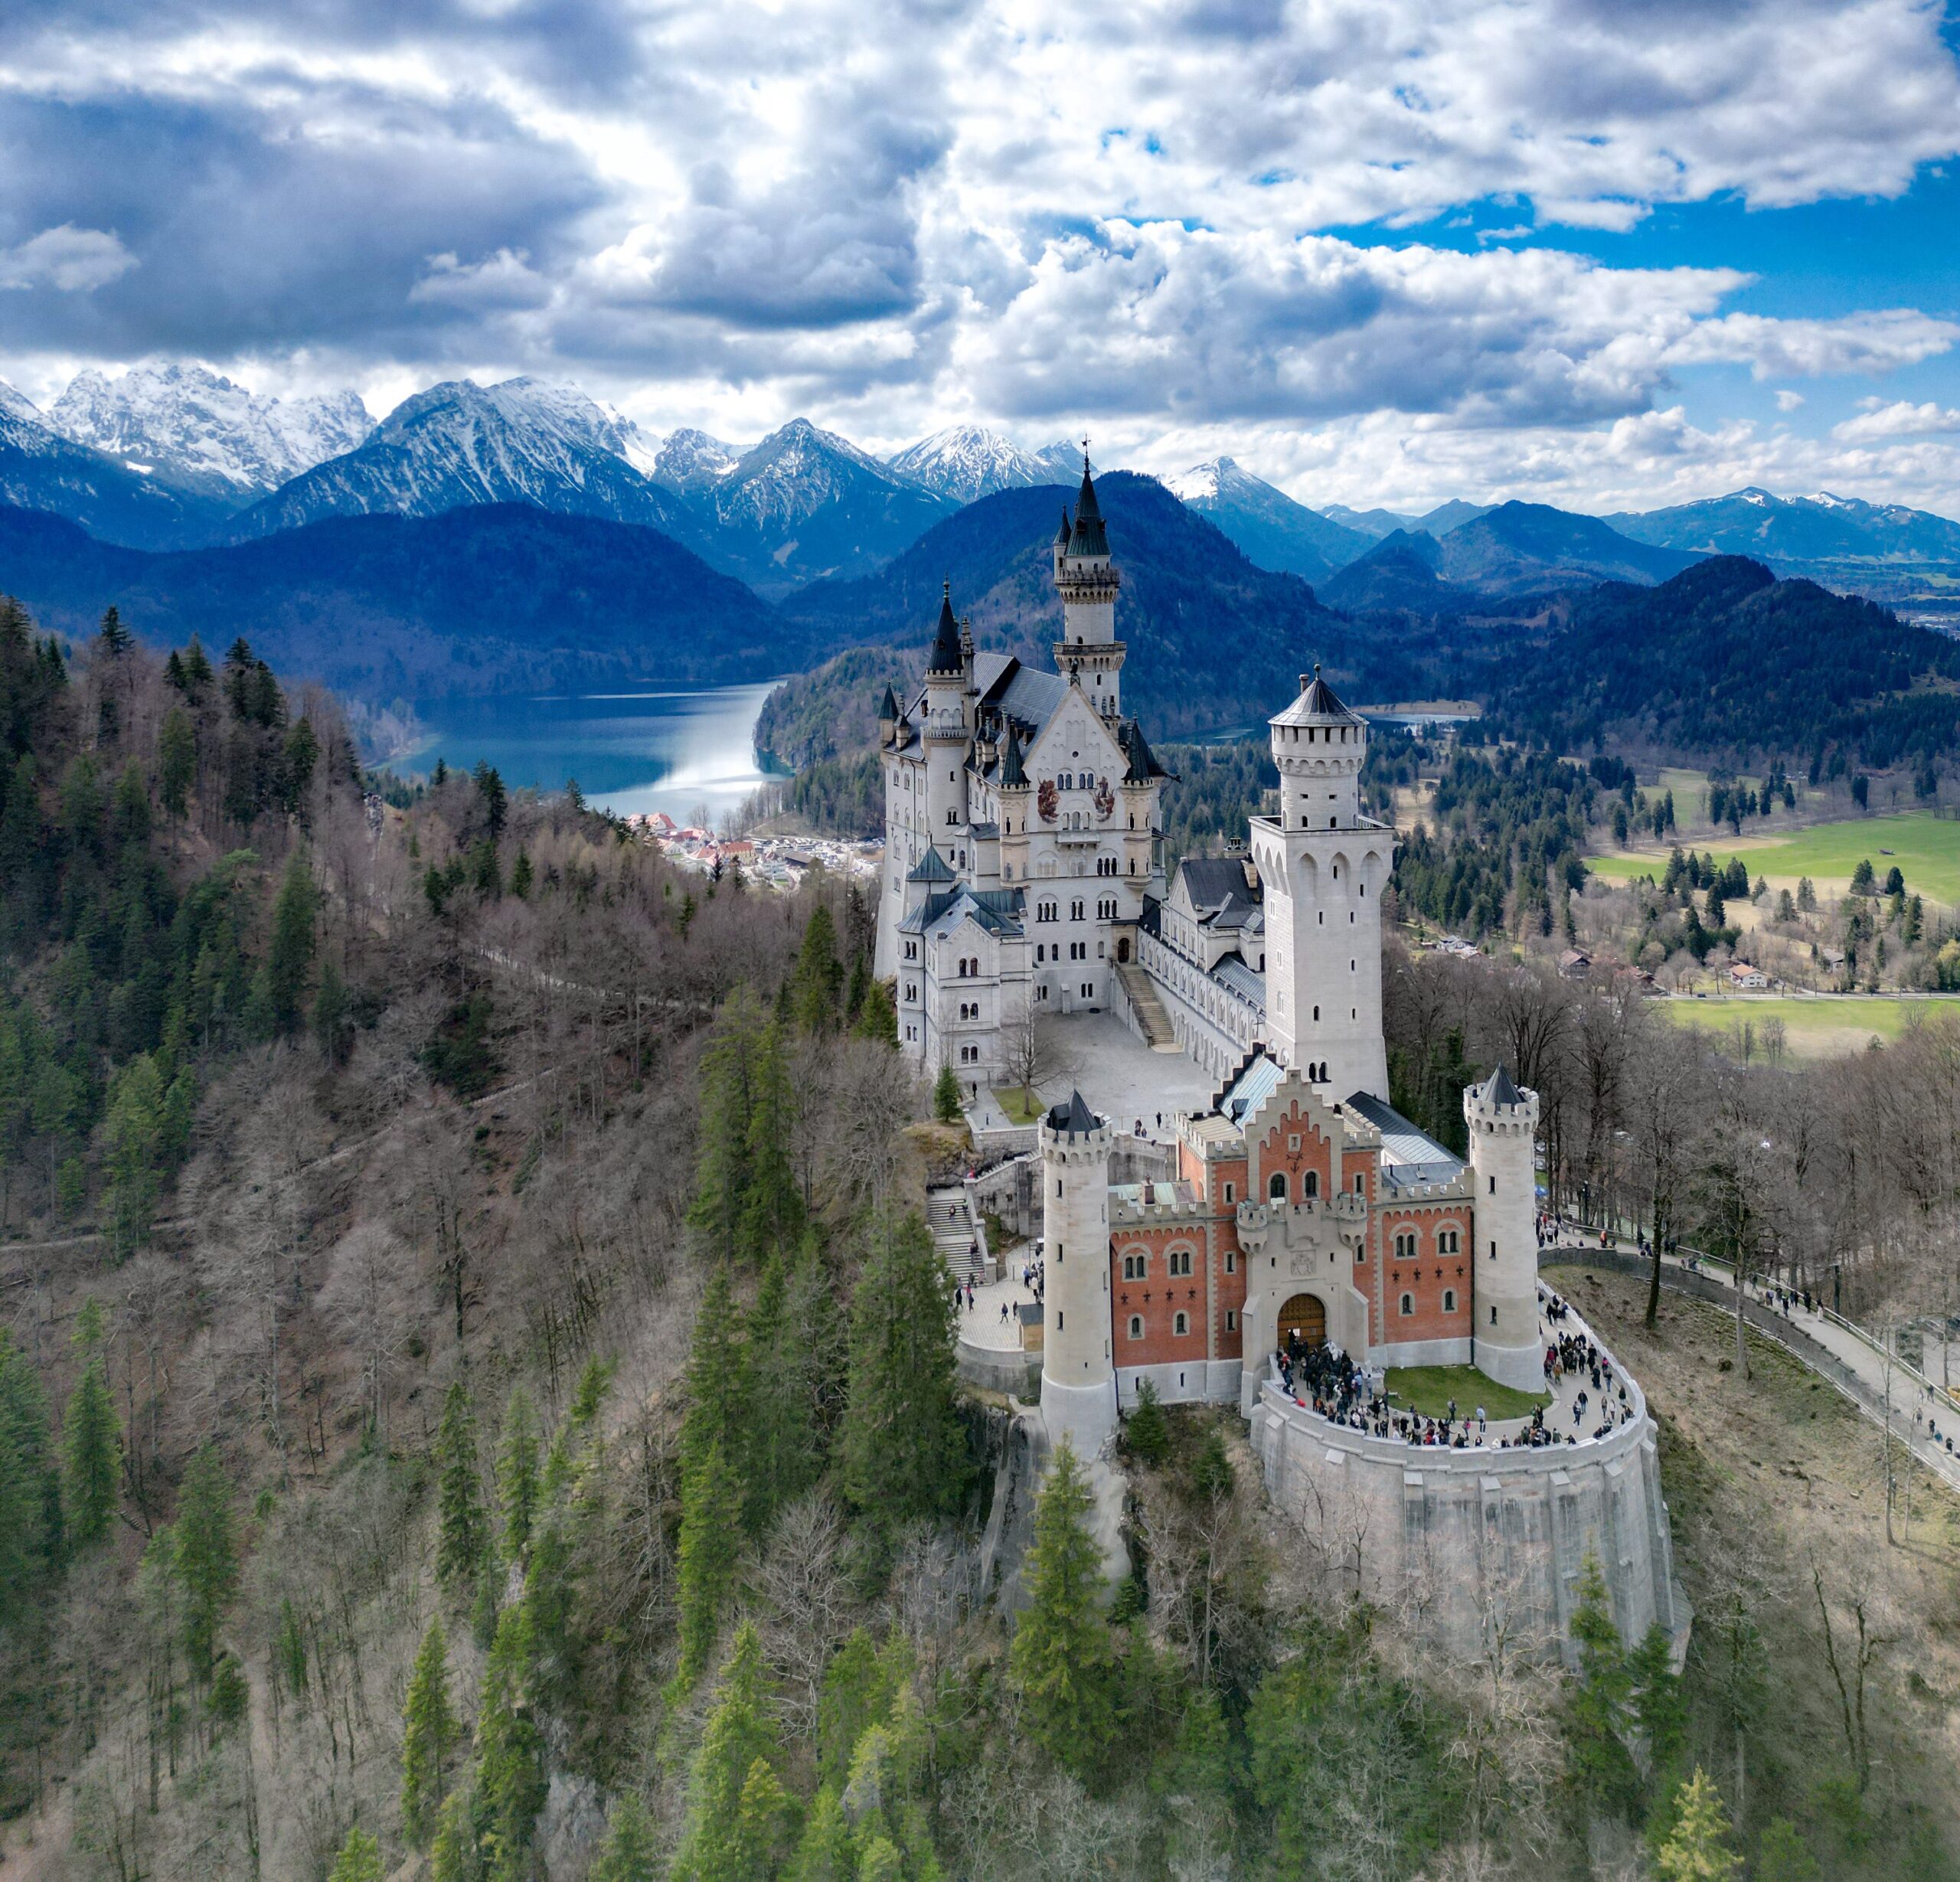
(1825, 1028)
(1926, 848)
(1428, 1390)
(1021, 1107)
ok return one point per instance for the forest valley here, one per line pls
(477, 1397)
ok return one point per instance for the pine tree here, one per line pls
(772, 1204)
(1147, 1432)
(289, 954)
(491, 798)
(207, 1557)
(628, 1853)
(784, 1436)
(828, 1852)
(818, 977)
(91, 1438)
(115, 640)
(463, 1530)
(1783, 1856)
(30, 1532)
(517, 1472)
(904, 1447)
(1062, 1662)
(720, 1389)
(523, 878)
(359, 1860)
(1698, 1850)
(946, 1096)
(739, 1735)
(510, 1772)
(711, 1508)
(721, 1176)
(333, 1029)
(176, 761)
(763, 1823)
(428, 1734)
(133, 1138)
(452, 1851)
(877, 1021)
(857, 988)
(1597, 1701)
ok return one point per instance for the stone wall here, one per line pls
(1459, 1542)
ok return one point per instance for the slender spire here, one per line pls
(1014, 774)
(1089, 536)
(946, 658)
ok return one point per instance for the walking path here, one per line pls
(1886, 1390)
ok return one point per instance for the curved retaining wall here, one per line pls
(1467, 1543)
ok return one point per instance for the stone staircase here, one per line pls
(1148, 1009)
(954, 1234)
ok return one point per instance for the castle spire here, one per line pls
(946, 657)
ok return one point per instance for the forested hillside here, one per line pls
(476, 1393)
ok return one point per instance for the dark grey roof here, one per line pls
(888, 706)
(1408, 1154)
(1319, 703)
(1499, 1090)
(1089, 538)
(1232, 973)
(1075, 1118)
(1014, 774)
(1219, 891)
(1151, 921)
(997, 910)
(1250, 1086)
(946, 657)
(978, 830)
(1062, 534)
(932, 868)
(1143, 765)
(1021, 693)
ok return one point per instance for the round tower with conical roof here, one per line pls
(948, 729)
(1503, 1130)
(1078, 1373)
(1087, 582)
(1324, 866)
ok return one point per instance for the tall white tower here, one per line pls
(1504, 1128)
(1325, 867)
(947, 730)
(1087, 582)
(1078, 1374)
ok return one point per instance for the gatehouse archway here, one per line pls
(1305, 1314)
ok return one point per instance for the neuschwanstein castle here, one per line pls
(1297, 1211)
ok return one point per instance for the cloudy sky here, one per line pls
(1596, 252)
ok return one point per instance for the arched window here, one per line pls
(1136, 1267)
(1182, 1323)
(1310, 1183)
(1136, 1326)
(1181, 1261)
(1408, 1304)
(1276, 1187)
(1449, 1300)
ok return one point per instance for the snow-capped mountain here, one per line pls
(806, 503)
(691, 460)
(1799, 535)
(524, 441)
(15, 404)
(968, 461)
(186, 427)
(1271, 529)
(42, 470)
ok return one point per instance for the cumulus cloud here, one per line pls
(1899, 419)
(68, 259)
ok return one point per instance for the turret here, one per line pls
(1504, 1130)
(1087, 581)
(887, 717)
(1078, 1375)
(946, 733)
(1325, 867)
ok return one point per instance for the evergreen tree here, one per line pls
(359, 1860)
(828, 1852)
(1062, 1662)
(452, 1852)
(428, 1734)
(133, 1136)
(818, 976)
(289, 953)
(30, 1530)
(522, 877)
(858, 988)
(720, 1394)
(904, 1447)
(721, 1177)
(517, 1472)
(740, 1735)
(1698, 1849)
(176, 761)
(1783, 1856)
(509, 1771)
(114, 640)
(299, 758)
(1598, 1702)
(772, 1204)
(462, 1530)
(946, 1096)
(333, 1028)
(711, 1510)
(492, 799)
(1659, 1707)
(784, 1450)
(878, 1019)
(207, 1557)
(629, 1852)
(1147, 1432)
(763, 1824)
(91, 1438)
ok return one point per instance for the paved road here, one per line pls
(1832, 1351)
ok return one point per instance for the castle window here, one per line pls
(1136, 1267)
(1182, 1323)
(1449, 1300)
(1494, 1185)
(1228, 1197)
(1361, 1185)
(1136, 1326)
(1494, 1316)
(1408, 1305)
(1310, 1183)
(1180, 1261)
(1405, 1246)
(1231, 1261)
(1231, 1320)
(1276, 1188)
